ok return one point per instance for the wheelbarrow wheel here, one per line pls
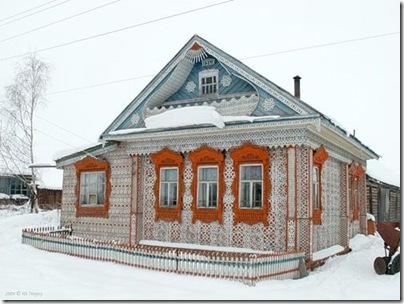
(380, 265)
(395, 265)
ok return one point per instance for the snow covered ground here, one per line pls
(27, 273)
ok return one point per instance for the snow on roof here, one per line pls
(41, 165)
(189, 116)
(370, 217)
(378, 170)
(4, 196)
(66, 152)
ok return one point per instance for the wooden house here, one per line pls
(15, 184)
(49, 198)
(212, 153)
(383, 200)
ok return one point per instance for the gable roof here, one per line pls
(174, 74)
(268, 99)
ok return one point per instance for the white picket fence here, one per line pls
(248, 268)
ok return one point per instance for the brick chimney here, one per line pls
(297, 86)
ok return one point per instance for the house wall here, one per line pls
(116, 226)
(257, 236)
(132, 206)
(328, 233)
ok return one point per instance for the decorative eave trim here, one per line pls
(346, 142)
(258, 124)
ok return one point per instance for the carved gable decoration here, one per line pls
(178, 81)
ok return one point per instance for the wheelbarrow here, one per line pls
(390, 263)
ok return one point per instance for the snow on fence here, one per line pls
(248, 268)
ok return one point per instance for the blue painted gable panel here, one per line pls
(226, 87)
(135, 119)
(270, 105)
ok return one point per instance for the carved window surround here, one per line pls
(355, 173)
(87, 165)
(249, 153)
(320, 156)
(201, 157)
(168, 159)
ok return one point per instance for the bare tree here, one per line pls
(22, 99)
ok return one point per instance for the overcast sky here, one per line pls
(356, 82)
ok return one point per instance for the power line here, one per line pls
(58, 139)
(1, 20)
(45, 9)
(58, 21)
(100, 84)
(62, 128)
(320, 45)
(117, 30)
(245, 58)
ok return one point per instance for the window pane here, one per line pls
(100, 194)
(92, 188)
(245, 195)
(316, 198)
(101, 178)
(208, 174)
(92, 199)
(251, 172)
(173, 194)
(202, 195)
(257, 195)
(164, 194)
(212, 194)
(169, 175)
(315, 174)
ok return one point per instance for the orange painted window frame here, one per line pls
(355, 173)
(167, 158)
(320, 156)
(206, 156)
(87, 165)
(248, 154)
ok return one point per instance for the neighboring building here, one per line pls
(15, 184)
(212, 153)
(383, 200)
(49, 198)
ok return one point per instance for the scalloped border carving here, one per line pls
(91, 164)
(320, 156)
(355, 172)
(206, 155)
(249, 153)
(168, 158)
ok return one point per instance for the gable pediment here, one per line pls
(239, 90)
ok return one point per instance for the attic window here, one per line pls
(208, 82)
